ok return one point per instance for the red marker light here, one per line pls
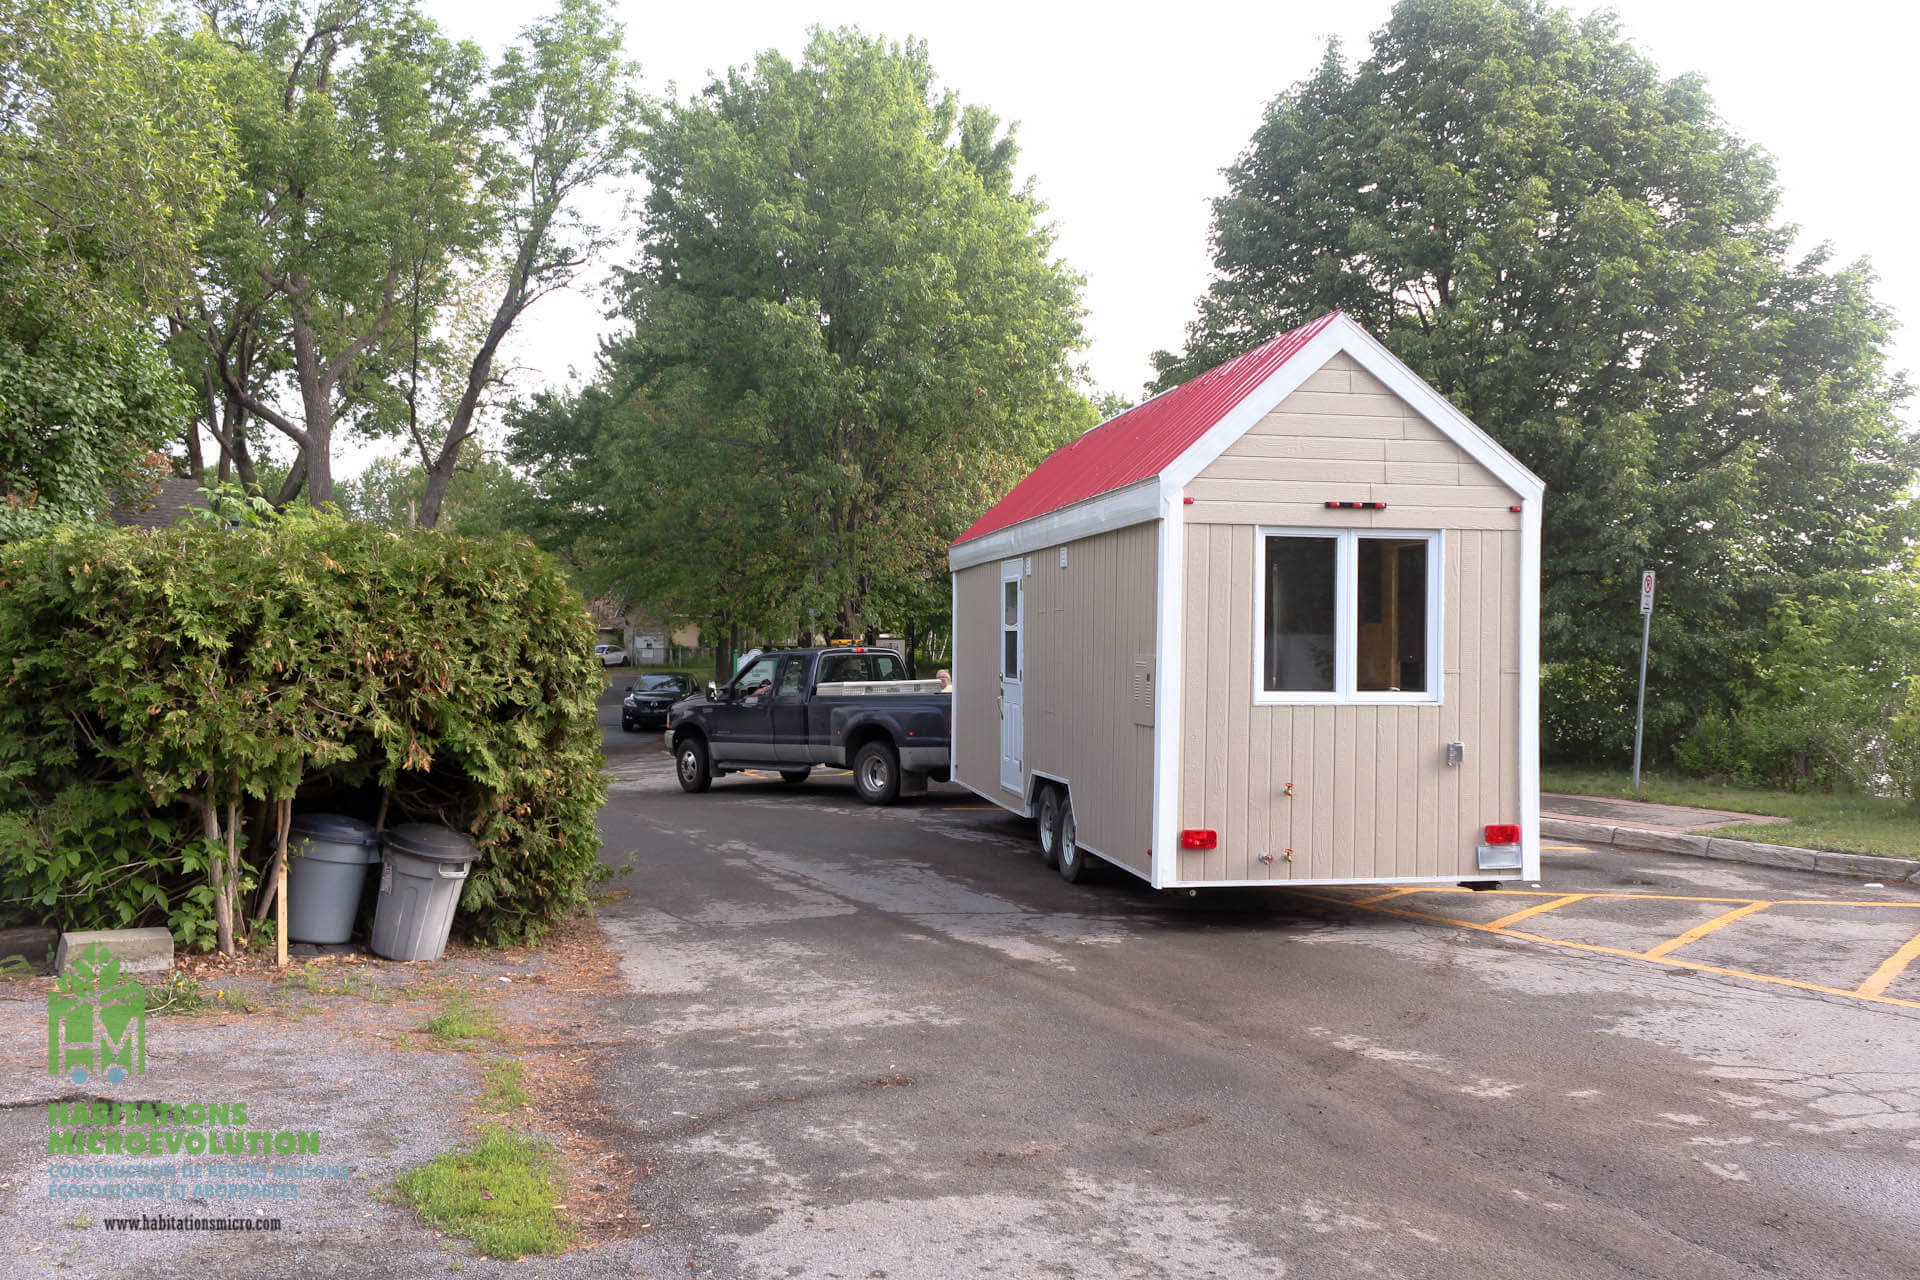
(1198, 838)
(1503, 833)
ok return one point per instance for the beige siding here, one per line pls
(1372, 794)
(1084, 626)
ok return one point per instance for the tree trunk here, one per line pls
(316, 403)
(512, 302)
(912, 668)
(216, 868)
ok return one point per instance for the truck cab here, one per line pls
(794, 709)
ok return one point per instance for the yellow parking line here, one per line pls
(1672, 897)
(1860, 993)
(1896, 964)
(1382, 897)
(1535, 910)
(1700, 931)
(1561, 848)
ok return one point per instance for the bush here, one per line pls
(154, 688)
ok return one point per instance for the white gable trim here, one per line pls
(1344, 335)
(1138, 503)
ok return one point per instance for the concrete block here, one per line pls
(1866, 866)
(1762, 855)
(1660, 841)
(32, 943)
(1575, 829)
(137, 950)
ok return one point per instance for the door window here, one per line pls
(756, 679)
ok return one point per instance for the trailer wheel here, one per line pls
(691, 765)
(794, 777)
(876, 773)
(1074, 863)
(1047, 822)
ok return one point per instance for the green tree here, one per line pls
(113, 158)
(360, 142)
(561, 112)
(846, 317)
(1581, 256)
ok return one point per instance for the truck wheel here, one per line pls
(1074, 863)
(876, 773)
(690, 763)
(1046, 823)
(794, 777)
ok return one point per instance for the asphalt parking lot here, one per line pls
(889, 1041)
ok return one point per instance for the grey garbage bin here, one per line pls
(425, 868)
(327, 857)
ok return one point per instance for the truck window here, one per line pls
(793, 676)
(839, 667)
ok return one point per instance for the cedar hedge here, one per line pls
(157, 690)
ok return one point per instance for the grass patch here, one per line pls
(317, 981)
(500, 1086)
(1843, 823)
(179, 994)
(460, 1022)
(504, 1196)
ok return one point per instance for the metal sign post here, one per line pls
(1640, 705)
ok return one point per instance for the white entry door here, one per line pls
(1013, 613)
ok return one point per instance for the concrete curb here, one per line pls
(1865, 866)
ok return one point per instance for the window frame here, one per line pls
(1346, 619)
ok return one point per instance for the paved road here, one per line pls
(861, 1043)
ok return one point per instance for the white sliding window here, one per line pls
(1347, 616)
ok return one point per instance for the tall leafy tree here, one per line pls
(1582, 257)
(846, 312)
(562, 111)
(113, 158)
(359, 129)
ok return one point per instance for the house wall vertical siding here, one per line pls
(1373, 796)
(1085, 625)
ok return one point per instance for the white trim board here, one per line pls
(1116, 509)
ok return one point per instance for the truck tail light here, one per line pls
(1199, 838)
(1503, 833)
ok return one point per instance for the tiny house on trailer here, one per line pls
(1278, 625)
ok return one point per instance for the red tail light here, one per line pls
(1199, 839)
(1503, 833)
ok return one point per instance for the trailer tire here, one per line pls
(1074, 863)
(1047, 823)
(691, 765)
(876, 772)
(794, 777)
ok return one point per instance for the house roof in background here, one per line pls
(170, 496)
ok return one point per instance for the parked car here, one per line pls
(650, 698)
(792, 709)
(611, 655)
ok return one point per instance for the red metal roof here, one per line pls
(1143, 441)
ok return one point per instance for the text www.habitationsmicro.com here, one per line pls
(166, 1222)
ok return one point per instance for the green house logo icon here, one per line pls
(96, 1020)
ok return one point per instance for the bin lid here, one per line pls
(430, 841)
(335, 828)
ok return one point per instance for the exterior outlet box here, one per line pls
(1456, 753)
(1140, 688)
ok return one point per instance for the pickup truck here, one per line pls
(792, 709)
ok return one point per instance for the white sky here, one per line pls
(1127, 113)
